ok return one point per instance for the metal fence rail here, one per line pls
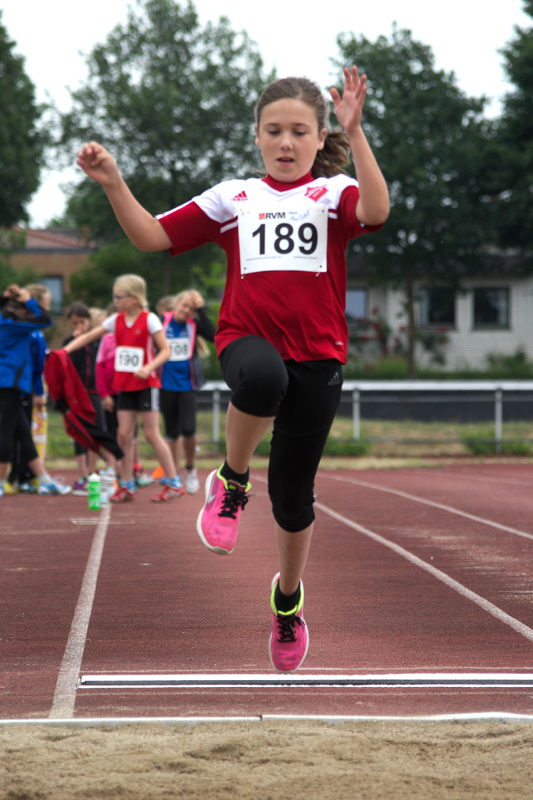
(355, 392)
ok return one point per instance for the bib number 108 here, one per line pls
(286, 238)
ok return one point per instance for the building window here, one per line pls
(356, 305)
(491, 307)
(437, 306)
(54, 284)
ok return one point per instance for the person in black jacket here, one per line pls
(84, 360)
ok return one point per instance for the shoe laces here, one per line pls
(234, 496)
(286, 627)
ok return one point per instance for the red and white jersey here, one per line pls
(134, 348)
(286, 268)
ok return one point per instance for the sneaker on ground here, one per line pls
(192, 484)
(10, 488)
(289, 640)
(142, 479)
(218, 521)
(79, 487)
(28, 487)
(2, 490)
(122, 495)
(168, 492)
(53, 487)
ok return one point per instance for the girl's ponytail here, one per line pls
(334, 156)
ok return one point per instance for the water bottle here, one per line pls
(103, 488)
(107, 485)
(94, 491)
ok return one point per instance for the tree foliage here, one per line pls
(430, 140)
(173, 101)
(512, 183)
(21, 142)
(93, 283)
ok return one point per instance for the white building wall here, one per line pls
(468, 347)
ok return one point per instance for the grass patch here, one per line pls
(481, 442)
(380, 439)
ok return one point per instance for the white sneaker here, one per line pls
(192, 484)
(53, 487)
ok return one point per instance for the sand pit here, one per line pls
(269, 760)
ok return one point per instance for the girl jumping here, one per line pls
(282, 334)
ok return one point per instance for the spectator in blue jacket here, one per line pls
(20, 477)
(20, 316)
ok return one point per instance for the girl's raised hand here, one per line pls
(349, 107)
(197, 301)
(98, 163)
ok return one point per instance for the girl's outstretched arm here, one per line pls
(141, 228)
(373, 206)
(85, 338)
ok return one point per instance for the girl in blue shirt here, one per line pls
(181, 376)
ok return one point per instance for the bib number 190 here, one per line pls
(128, 359)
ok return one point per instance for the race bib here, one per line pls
(128, 359)
(180, 349)
(271, 238)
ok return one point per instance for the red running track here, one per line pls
(412, 571)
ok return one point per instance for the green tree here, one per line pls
(21, 142)
(512, 169)
(10, 239)
(173, 100)
(93, 283)
(430, 140)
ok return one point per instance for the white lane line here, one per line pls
(69, 671)
(95, 722)
(239, 680)
(462, 475)
(486, 605)
(432, 503)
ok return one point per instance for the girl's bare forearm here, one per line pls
(374, 206)
(141, 228)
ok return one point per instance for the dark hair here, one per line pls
(79, 310)
(335, 155)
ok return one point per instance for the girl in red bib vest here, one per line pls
(141, 349)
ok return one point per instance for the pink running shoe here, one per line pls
(218, 521)
(289, 640)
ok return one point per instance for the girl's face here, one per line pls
(79, 325)
(123, 301)
(184, 309)
(46, 301)
(287, 135)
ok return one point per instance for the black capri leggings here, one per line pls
(15, 428)
(303, 397)
(179, 413)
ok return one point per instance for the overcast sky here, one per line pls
(465, 36)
